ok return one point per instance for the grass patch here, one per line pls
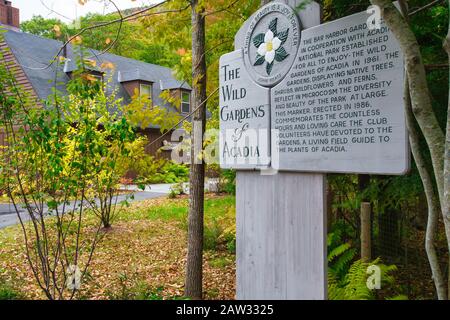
(221, 262)
(176, 209)
(7, 291)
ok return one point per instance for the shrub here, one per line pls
(227, 181)
(211, 235)
(221, 232)
(66, 151)
(220, 262)
(176, 190)
(150, 170)
(228, 235)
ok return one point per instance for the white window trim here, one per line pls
(151, 91)
(99, 77)
(146, 85)
(181, 109)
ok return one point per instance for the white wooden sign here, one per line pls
(340, 108)
(336, 97)
(244, 116)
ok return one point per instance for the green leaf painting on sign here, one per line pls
(281, 54)
(269, 45)
(258, 39)
(283, 36)
(273, 26)
(259, 60)
(269, 67)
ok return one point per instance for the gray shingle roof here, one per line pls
(34, 53)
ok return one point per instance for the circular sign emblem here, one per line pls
(271, 43)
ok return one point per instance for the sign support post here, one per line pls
(281, 236)
(297, 100)
(281, 222)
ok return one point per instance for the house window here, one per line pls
(97, 76)
(145, 89)
(87, 75)
(185, 102)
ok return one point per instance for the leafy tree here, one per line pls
(172, 31)
(48, 28)
(163, 39)
(127, 39)
(111, 134)
(60, 158)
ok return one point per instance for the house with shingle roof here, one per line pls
(30, 57)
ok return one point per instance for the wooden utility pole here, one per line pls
(194, 277)
(366, 254)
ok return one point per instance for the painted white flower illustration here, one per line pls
(270, 46)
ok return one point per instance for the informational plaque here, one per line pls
(336, 97)
(340, 108)
(244, 117)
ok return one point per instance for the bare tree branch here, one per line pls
(99, 25)
(222, 9)
(431, 4)
(51, 10)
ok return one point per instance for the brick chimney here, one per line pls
(9, 16)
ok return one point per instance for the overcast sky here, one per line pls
(70, 8)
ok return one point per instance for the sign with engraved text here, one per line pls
(244, 117)
(330, 97)
(340, 108)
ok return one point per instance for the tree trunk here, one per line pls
(330, 198)
(446, 207)
(432, 200)
(194, 276)
(421, 102)
(363, 184)
(420, 95)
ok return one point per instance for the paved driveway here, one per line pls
(8, 215)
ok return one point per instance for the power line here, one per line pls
(104, 24)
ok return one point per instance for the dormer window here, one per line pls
(97, 76)
(136, 83)
(145, 90)
(185, 102)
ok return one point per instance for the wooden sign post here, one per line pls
(297, 100)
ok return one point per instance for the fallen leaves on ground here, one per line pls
(137, 252)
